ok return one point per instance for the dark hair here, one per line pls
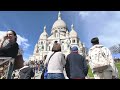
(95, 40)
(14, 34)
(56, 47)
(55, 41)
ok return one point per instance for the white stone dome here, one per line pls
(73, 33)
(59, 24)
(44, 35)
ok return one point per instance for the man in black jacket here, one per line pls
(76, 66)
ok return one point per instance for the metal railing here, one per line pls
(7, 64)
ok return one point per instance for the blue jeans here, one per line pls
(55, 76)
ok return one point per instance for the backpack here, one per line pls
(26, 74)
(98, 59)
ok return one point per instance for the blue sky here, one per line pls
(88, 24)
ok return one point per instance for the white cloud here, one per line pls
(104, 24)
(23, 42)
(2, 33)
(84, 14)
(26, 58)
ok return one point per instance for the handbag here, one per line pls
(44, 71)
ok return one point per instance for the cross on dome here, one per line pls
(72, 27)
(45, 28)
(59, 15)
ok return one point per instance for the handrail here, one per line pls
(10, 65)
(5, 59)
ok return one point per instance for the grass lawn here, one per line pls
(90, 73)
(117, 65)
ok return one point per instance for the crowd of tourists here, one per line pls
(58, 66)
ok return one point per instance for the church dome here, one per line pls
(44, 35)
(59, 23)
(73, 33)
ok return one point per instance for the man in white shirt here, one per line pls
(99, 53)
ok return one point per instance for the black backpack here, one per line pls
(26, 73)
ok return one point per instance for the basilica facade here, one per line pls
(59, 33)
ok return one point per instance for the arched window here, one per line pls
(41, 42)
(42, 47)
(73, 41)
(77, 41)
(68, 45)
(56, 34)
(49, 48)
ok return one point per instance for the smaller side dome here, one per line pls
(73, 33)
(44, 35)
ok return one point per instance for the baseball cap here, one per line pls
(74, 48)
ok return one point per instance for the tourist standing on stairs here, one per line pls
(56, 63)
(76, 66)
(101, 61)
